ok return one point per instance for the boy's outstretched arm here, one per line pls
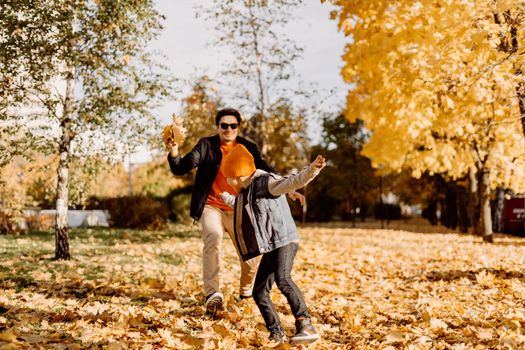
(293, 182)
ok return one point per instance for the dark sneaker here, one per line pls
(214, 303)
(277, 337)
(305, 333)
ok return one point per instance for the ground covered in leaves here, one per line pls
(366, 288)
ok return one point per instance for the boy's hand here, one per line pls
(319, 163)
(296, 196)
(228, 199)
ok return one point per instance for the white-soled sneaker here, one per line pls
(277, 337)
(214, 303)
(305, 333)
(244, 297)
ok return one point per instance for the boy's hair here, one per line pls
(238, 162)
(228, 111)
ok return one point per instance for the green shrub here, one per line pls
(178, 202)
(12, 222)
(7, 224)
(180, 208)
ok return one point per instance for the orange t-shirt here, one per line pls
(220, 185)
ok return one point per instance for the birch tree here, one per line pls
(76, 81)
(263, 59)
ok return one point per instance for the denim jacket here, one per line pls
(263, 221)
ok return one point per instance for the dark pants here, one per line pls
(276, 266)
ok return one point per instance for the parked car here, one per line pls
(514, 216)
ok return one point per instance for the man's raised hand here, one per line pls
(167, 136)
(173, 135)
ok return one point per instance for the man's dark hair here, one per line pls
(228, 111)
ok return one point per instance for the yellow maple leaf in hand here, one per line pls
(174, 134)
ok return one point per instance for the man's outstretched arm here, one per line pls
(183, 165)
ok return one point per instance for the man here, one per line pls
(206, 204)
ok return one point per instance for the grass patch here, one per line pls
(171, 259)
(36, 243)
(25, 246)
(27, 260)
(18, 281)
(94, 272)
(112, 236)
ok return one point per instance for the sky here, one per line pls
(184, 45)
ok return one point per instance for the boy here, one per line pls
(263, 224)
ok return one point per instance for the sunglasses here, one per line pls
(225, 126)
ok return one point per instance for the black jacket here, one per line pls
(206, 156)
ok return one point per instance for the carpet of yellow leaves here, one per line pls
(366, 288)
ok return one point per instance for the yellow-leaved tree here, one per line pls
(440, 85)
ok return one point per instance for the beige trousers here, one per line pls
(214, 222)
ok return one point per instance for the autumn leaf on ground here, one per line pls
(365, 289)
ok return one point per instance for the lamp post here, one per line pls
(130, 170)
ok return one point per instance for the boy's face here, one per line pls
(238, 183)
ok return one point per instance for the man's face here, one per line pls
(229, 134)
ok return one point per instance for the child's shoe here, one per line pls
(305, 333)
(277, 336)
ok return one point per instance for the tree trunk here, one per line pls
(362, 211)
(498, 210)
(262, 133)
(452, 208)
(443, 217)
(352, 211)
(520, 91)
(61, 226)
(485, 218)
(449, 209)
(381, 213)
(432, 212)
(473, 209)
(462, 199)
